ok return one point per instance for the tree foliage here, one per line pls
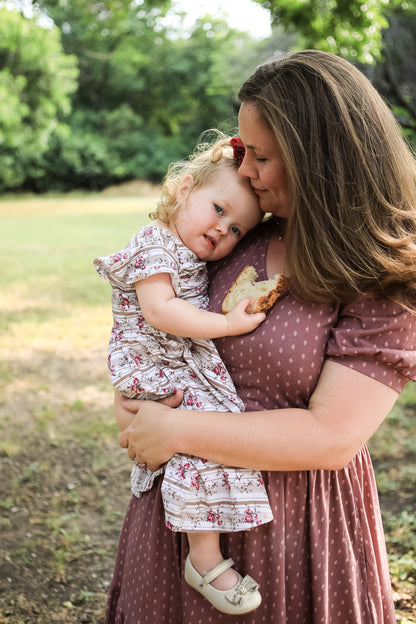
(112, 40)
(144, 93)
(36, 81)
(350, 28)
(395, 75)
(106, 92)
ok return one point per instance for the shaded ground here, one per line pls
(64, 483)
(63, 492)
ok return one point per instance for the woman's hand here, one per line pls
(148, 428)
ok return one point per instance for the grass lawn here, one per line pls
(65, 482)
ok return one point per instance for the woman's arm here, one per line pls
(344, 411)
(164, 310)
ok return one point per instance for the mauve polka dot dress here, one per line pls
(322, 559)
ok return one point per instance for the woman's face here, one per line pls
(263, 162)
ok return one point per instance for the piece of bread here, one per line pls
(263, 294)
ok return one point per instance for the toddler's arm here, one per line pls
(164, 310)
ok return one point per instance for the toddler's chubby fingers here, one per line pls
(258, 317)
(243, 304)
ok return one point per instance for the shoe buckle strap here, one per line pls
(219, 569)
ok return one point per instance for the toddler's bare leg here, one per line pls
(205, 554)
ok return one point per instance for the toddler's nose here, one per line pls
(222, 228)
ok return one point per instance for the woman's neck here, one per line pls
(275, 255)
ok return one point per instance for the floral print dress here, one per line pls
(147, 363)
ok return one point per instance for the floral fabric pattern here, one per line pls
(147, 363)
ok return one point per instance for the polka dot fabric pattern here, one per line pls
(310, 562)
(322, 560)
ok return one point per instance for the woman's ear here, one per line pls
(184, 188)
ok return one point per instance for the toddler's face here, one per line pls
(212, 219)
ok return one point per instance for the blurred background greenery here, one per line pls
(94, 93)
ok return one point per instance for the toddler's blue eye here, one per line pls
(235, 230)
(218, 209)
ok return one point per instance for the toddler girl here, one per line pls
(161, 341)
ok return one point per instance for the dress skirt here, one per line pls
(321, 560)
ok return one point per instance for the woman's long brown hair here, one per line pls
(351, 175)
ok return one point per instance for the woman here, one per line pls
(327, 160)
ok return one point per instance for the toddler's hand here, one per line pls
(241, 322)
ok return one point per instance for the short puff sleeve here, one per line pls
(152, 250)
(377, 338)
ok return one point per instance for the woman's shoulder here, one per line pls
(378, 337)
(370, 307)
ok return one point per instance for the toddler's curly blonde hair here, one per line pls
(203, 164)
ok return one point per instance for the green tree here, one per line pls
(146, 91)
(349, 28)
(395, 74)
(111, 40)
(36, 81)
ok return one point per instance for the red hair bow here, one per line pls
(238, 149)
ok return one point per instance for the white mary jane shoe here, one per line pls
(242, 598)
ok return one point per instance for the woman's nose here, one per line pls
(246, 169)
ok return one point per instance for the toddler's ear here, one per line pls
(184, 188)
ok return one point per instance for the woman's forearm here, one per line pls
(256, 440)
(344, 411)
